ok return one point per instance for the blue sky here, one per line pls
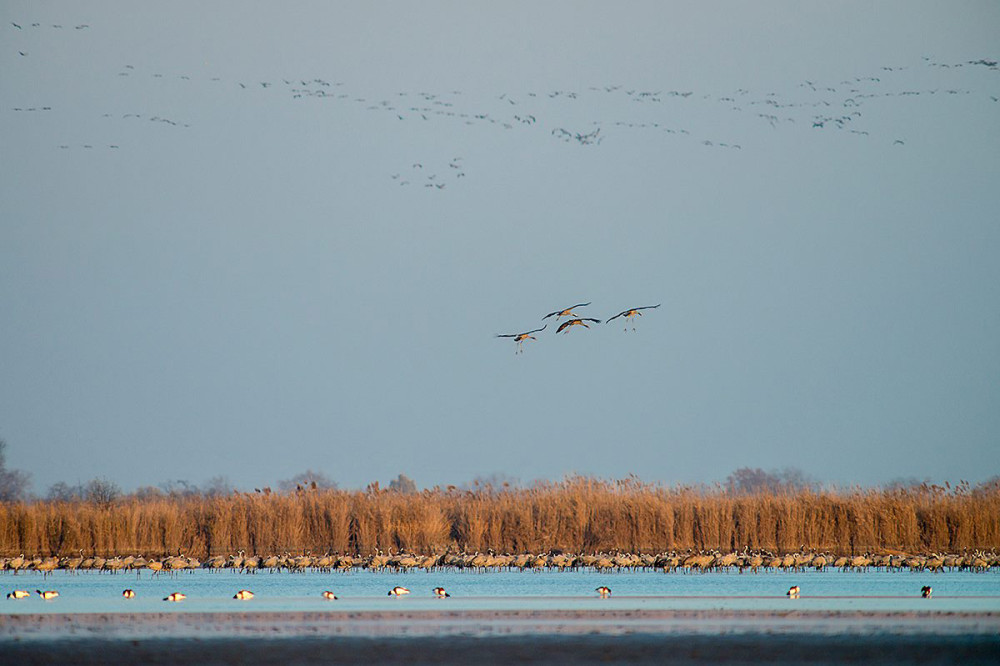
(252, 269)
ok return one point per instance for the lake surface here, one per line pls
(361, 590)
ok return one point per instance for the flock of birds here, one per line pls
(242, 595)
(794, 592)
(572, 319)
(246, 595)
(693, 561)
(843, 105)
(690, 561)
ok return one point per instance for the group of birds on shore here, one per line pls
(572, 319)
(690, 561)
(670, 113)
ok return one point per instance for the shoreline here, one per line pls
(54, 627)
(504, 638)
(504, 651)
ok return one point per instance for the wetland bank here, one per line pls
(578, 522)
(696, 574)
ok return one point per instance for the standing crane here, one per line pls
(630, 313)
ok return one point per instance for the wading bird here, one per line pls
(128, 594)
(175, 596)
(632, 312)
(47, 594)
(576, 322)
(398, 591)
(243, 595)
(568, 312)
(440, 593)
(329, 595)
(519, 338)
(925, 591)
(604, 591)
(793, 592)
(19, 594)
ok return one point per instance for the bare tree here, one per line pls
(14, 483)
(147, 492)
(793, 478)
(907, 483)
(102, 491)
(217, 486)
(63, 492)
(497, 482)
(179, 488)
(403, 484)
(751, 481)
(307, 480)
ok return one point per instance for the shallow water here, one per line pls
(212, 591)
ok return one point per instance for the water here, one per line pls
(361, 590)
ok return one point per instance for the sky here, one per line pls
(250, 239)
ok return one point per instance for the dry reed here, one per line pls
(578, 515)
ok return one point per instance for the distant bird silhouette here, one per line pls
(398, 591)
(632, 312)
(19, 594)
(175, 596)
(926, 591)
(568, 312)
(47, 594)
(440, 593)
(793, 592)
(243, 595)
(329, 595)
(604, 591)
(128, 594)
(519, 338)
(576, 322)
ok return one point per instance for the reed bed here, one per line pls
(577, 515)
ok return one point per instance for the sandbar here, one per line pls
(503, 636)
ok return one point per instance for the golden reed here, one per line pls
(577, 515)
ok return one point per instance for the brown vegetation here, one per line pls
(578, 515)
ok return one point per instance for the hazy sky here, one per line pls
(218, 255)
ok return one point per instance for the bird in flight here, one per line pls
(576, 322)
(568, 312)
(632, 312)
(519, 338)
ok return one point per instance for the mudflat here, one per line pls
(488, 637)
